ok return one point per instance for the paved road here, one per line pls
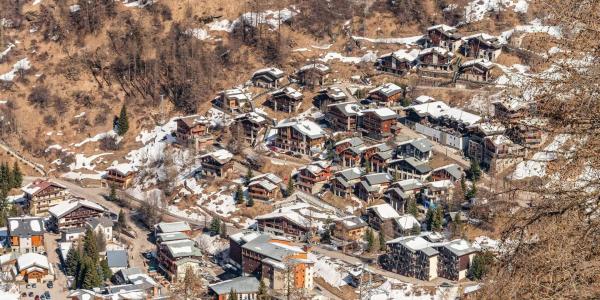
(60, 289)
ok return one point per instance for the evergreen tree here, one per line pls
(223, 230)
(429, 218)
(249, 175)
(113, 193)
(382, 245)
(72, 262)
(457, 225)
(370, 238)
(290, 186)
(232, 295)
(239, 195)
(122, 221)
(90, 276)
(90, 247)
(416, 229)
(438, 216)
(17, 176)
(215, 225)
(106, 272)
(472, 193)
(463, 186)
(474, 170)
(123, 121)
(412, 207)
(250, 201)
(4, 178)
(481, 265)
(263, 293)
(367, 166)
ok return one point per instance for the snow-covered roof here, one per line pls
(352, 222)
(336, 93)
(290, 215)
(460, 247)
(252, 116)
(25, 226)
(241, 285)
(169, 227)
(237, 94)
(221, 155)
(409, 184)
(320, 67)
(39, 185)
(263, 183)
(347, 108)
(384, 211)
(489, 128)
(269, 177)
(383, 112)
(441, 184)
(481, 62)
(442, 27)
(288, 91)
(438, 50)
(272, 71)
(424, 99)
(499, 139)
(403, 55)
(481, 36)
(123, 168)
(407, 222)
(65, 207)
(387, 89)
(440, 109)
(27, 260)
(304, 126)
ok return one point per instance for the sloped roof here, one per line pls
(289, 92)
(241, 285)
(39, 185)
(383, 113)
(222, 156)
(272, 72)
(65, 207)
(349, 109)
(387, 89)
(117, 258)
(28, 260)
(104, 221)
(384, 211)
(306, 127)
(25, 226)
(440, 109)
(407, 222)
(291, 216)
(167, 227)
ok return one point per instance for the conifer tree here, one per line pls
(17, 176)
(106, 272)
(429, 218)
(249, 175)
(90, 247)
(250, 201)
(412, 207)
(123, 121)
(215, 225)
(370, 238)
(239, 195)
(382, 245)
(72, 262)
(438, 216)
(113, 193)
(290, 186)
(474, 170)
(416, 229)
(122, 221)
(223, 230)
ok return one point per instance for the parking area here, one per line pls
(30, 291)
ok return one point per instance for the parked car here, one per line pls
(37, 297)
(46, 295)
(50, 284)
(34, 285)
(30, 294)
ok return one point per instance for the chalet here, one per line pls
(101, 226)
(74, 213)
(351, 156)
(120, 176)
(33, 268)
(479, 71)
(253, 126)
(398, 194)
(232, 100)
(477, 136)
(330, 95)
(455, 258)
(421, 149)
(117, 260)
(173, 227)
(527, 132)
(236, 241)
(313, 177)
(314, 74)
(267, 78)
(500, 152)
(388, 94)
(423, 99)
(344, 144)
(413, 256)
(439, 191)
(273, 259)
(369, 151)
(410, 167)
(26, 234)
(245, 288)
(399, 62)
(288, 224)
(41, 194)
(265, 187)
(343, 182)
(481, 46)
(372, 186)
(443, 36)
(175, 257)
(131, 283)
(190, 128)
(509, 111)
(300, 136)
(287, 100)
(435, 62)
(377, 215)
(379, 161)
(452, 172)
(406, 224)
(379, 123)
(343, 116)
(217, 163)
(350, 229)
(441, 123)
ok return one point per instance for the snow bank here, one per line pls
(97, 138)
(477, 9)
(370, 56)
(221, 25)
(331, 271)
(198, 33)
(405, 40)
(537, 165)
(5, 52)
(21, 65)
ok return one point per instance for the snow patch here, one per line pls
(20, 65)
(370, 56)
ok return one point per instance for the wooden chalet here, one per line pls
(217, 163)
(287, 100)
(342, 145)
(26, 234)
(350, 229)
(452, 172)
(443, 36)
(328, 96)
(379, 161)
(267, 78)
(379, 123)
(33, 268)
(120, 176)
(435, 62)
(265, 187)
(343, 116)
(399, 62)
(314, 74)
(400, 192)
(288, 224)
(481, 46)
(342, 183)
(372, 186)
(189, 128)
(409, 168)
(176, 257)
(479, 71)
(388, 94)
(313, 177)
(352, 156)
(41, 194)
(74, 213)
(300, 136)
(232, 100)
(253, 126)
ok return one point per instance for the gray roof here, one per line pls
(263, 246)
(452, 169)
(173, 226)
(241, 285)
(182, 248)
(409, 184)
(398, 191)
(385, 155)
(171, 236)
(349, 109)
(352, 222)
(423, 144)
(25, 226)
(460, 247)
(348, 174)
(418, 165)
(117, 258)
(378, 178)
(73, 230)
(354, 142)
(429, 251)
(104, 221)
